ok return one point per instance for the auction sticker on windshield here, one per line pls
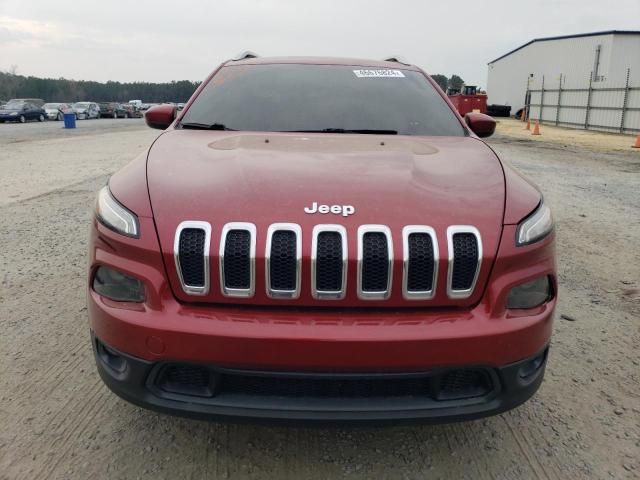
(378, 73)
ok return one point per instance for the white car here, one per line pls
(86, 110)
(56, 111)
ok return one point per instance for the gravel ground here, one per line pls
(59, 421)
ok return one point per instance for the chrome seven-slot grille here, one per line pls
(329, 260)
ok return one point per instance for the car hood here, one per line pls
(264, 178)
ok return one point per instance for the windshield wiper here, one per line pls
(344, 130)
(206, 126)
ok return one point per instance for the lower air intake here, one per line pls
(185, 380)
(203, 381)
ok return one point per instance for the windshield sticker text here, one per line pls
(379, 73)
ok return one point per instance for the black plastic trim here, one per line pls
(135, 385)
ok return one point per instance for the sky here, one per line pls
(160, 40)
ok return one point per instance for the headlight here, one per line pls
(114, 216)
(118, 286)
(535, 226)
(530, 294)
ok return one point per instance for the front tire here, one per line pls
(22, 119)
(115, 115)
(41, 118)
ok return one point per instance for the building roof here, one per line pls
(563, 37)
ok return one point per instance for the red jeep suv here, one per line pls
(321, 239)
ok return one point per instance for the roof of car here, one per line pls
(359, 62)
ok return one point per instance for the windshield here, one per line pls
(51, 106)
(14, 104)
(285, 97)
(81, 105)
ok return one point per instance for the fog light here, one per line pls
(530, 294)
(118, 286)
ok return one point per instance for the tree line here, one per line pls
(64, 90)
(454, 81)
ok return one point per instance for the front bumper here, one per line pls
(319, 341)
(229, 394)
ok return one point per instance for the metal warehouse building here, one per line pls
(589, 80)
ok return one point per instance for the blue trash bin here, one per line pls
(70, 120)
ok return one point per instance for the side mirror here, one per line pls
(160, 116)
(480, 124)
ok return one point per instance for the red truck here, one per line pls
(321, 239)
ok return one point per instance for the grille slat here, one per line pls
(329, 262)
(283, 256)
(465, 260)
(191, 253)
(465, 253)
(192, 256)
(421, 262)
(237, 259)
(375, 262)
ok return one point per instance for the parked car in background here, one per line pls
(23, 109)
(56, 111)
(131, 111)
(112, 110)
(86, 110)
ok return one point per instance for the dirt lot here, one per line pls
(57, 420)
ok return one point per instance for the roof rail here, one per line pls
(244, 55)
(396, 59)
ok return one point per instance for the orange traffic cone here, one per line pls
(536, 129)
(528, 126)
(522, 115)
(637, 144)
